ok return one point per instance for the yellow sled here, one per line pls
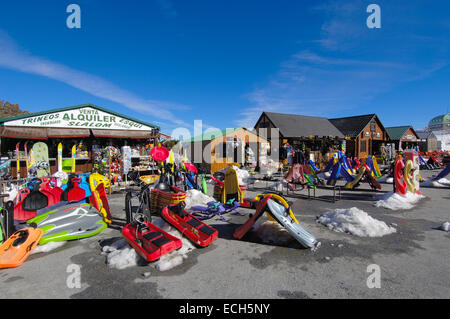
(357, 178)
(231, 187)
(99, 199)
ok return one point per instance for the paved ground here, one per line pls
(414, 262)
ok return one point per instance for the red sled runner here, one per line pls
(191, 227)
(149, 241)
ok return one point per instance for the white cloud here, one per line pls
(12, 57)
(345, 68)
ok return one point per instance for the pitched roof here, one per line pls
(208, 136)
(3, 120)
(353, 125)
(292, 125)
(396, 132)
(423, 134)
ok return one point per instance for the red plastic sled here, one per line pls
(193, 228)
(53, 193)
(260, 209)
(370, 179)
(19, 213)
(399, 180)
(76, 194)
(149, 241)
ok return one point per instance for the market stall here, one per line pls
(90, 138)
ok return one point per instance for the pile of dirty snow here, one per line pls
(121, 255)
(48, 247)
(395, 201)
(195, 197)
(175, 257)
(356, 222)
(442, 183)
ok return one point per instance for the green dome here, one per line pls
(440, 122)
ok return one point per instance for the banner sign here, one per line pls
(85, 117)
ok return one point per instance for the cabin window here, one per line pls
(373, 126)
(264, 124)
(363, 146)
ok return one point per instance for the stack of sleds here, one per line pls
(273, 204)
(49, 209)
(167, 200)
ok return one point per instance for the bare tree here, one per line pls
(8, 110)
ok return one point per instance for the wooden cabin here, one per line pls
(365, 134)
(404, 137)
(315, 134)
(219, 149)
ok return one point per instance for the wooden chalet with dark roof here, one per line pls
(364, 134)
(403, 136)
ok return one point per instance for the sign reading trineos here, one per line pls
(80, 118)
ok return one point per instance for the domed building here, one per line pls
(440, 123)
(440, 127)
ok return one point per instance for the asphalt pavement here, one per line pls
(412, 263)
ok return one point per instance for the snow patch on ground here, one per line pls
(121, 255)
(195, 197)
(395, 201)
(48, 247)
(442, 183)
(176, 257)
(356, 222)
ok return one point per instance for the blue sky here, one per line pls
(224, 62)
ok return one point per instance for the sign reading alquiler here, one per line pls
(80, 118)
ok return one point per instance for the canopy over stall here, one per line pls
(89, 127)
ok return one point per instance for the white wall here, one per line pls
(443, 138)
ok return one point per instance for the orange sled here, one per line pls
(18, 247)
